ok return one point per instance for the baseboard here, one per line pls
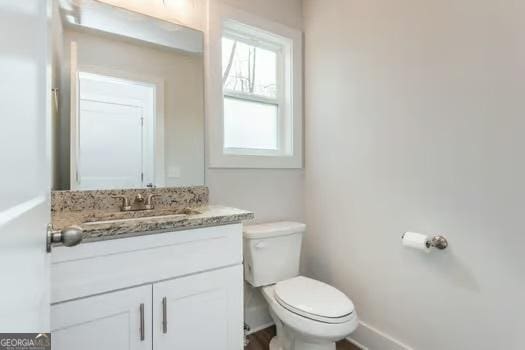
(260, 328)
(357, 345)
(257, 318)
(367, 337)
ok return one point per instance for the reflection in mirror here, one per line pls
(129, 96)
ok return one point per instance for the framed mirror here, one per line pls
(129, 100)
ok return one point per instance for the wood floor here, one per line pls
(261, 341)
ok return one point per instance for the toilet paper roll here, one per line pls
(416, 240)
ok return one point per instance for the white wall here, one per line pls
(415, 121)
(191, 13)
(183, 97)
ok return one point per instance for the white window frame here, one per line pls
(230, 22)
(236, 31)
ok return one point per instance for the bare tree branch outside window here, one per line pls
(241, 73)
(251, 77)
(230, 62)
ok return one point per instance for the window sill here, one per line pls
(255, 162)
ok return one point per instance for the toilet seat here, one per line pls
(314, 300)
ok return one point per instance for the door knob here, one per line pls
(69, 236)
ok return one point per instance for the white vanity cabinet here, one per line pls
(194, 312)
(178, 290)
(117, 320)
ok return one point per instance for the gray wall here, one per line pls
(415, 119)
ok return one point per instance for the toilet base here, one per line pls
(275, 344)
(301, 333)
(300, 345)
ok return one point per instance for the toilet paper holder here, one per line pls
(438, 241)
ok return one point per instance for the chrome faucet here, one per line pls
(139, 202)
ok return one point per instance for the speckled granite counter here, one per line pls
(169, 198)
(178, 208)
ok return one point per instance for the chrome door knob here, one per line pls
(69, 236)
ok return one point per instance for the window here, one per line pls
(261, 97)
(252, 95)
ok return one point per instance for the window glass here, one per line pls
(249, 69)
(250, 125)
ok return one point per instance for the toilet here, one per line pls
(308, 314)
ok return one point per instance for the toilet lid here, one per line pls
(313, 299)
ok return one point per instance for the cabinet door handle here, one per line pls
(164, 315)
(142, 336)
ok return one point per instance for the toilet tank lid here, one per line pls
(273, 229)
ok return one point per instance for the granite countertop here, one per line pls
(99, 213)
(137, 223)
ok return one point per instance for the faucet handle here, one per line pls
(125, 202)
(149, 200)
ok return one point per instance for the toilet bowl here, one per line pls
(308, 314)
(310, 319)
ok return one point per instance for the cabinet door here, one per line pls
(118, 320)
(199, 312)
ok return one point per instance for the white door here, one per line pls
(199, 312)
(113, 321)
(25, 95)
(110, 152)
(114, 146)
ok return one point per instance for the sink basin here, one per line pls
(127, 215)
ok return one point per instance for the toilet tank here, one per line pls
(272, 252)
